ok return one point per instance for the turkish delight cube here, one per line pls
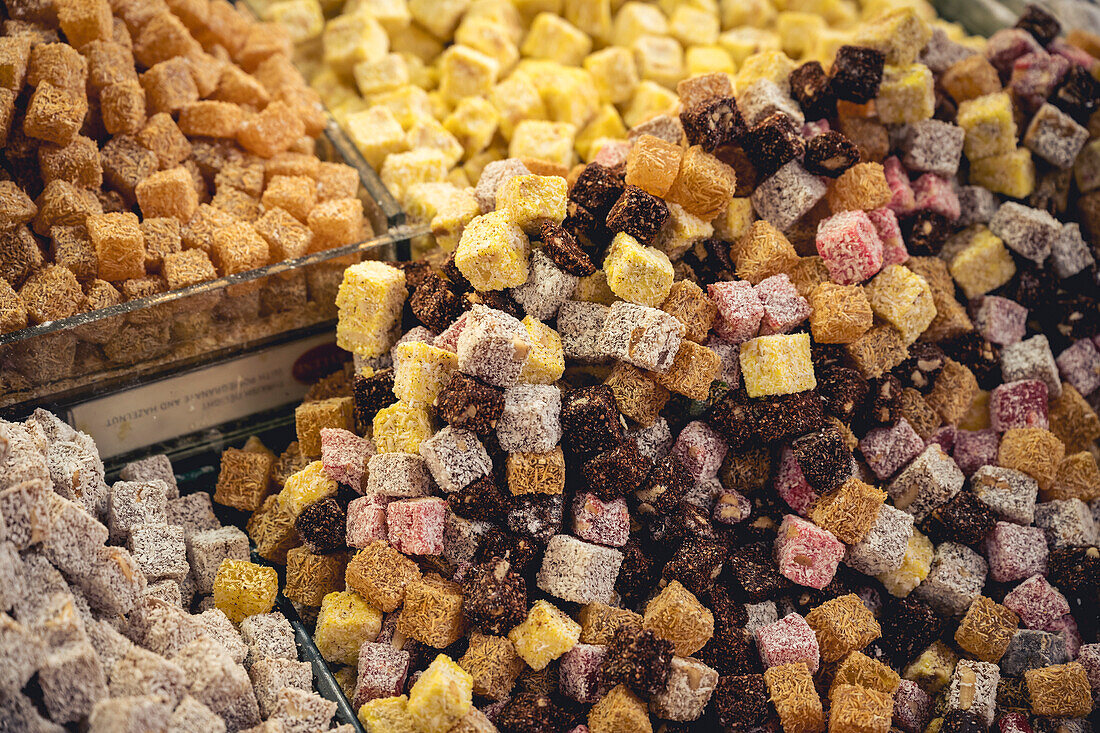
(807, 554)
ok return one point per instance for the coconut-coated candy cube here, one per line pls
(788, 641)
(135, 502)
(381, 672)
(1000, 320)
(1067, 522)
(883, 548)
(366, 520)
(785, 197)
(345, 457)
(370, 298)
(974, 449)
(700, 450)
(1054, 136)
(1033, 649)
(646, 337)
(1015, 552)
(493, 346)
(456, 458)
(784, 308)
(440, 697)
(546, 634)
(1080, 366)
(415, 526)
(1019, 404)
(974, 689)
(777, 365)
(1069, 253)
(933, 146)
(740, 310)
(930, 480)
(398, 474)
(579, 325)
(1032, 359)
(954, 580)
(887, 449)
(807, 554)
(850, 246)
(602, 522)
(578, 571)
(1028, 232)
(492, 253)
(547, 287)
(637, 273)
(791, 484)
(1009, 493)
(530, 421)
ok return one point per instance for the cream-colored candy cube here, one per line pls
(439, 17)
(797, 30)
(491, 39)
(452, 218)
(983, 265)
(746, 13)
(303, 20)
(777, 365)
(424, 200)
(503, 13)
(914, 568)
(906, 94)
(384, 75)
(401, 428)
(546, 634)
(351, 39)
(637, 19)
(591, 16)
(607, 124)
(401, 170)
(659, 59)
(638, 273)
(650, 99)
(775, 66)
(556, 39)
(493, 253)
(376, 133)
(465, 72)
(743, 42)
(551, 141)
(516, 99)
(408, 105)
(614, 72)
(545, 361)
(421, 371)
(473, 123)
(692, 25)
(824, 45)
(530, 8)
(430, 135)
(706, 59)
(526, 200)
(903, 299)
(393, 15)
(418, 42)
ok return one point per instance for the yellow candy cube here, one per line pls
(408, 105)
(544, 635)
(439, 17)
(351, 39)
(650, 99)
(402, 170)
(516, 99)
(681, 231)
(492, 253)
(424, 200)
(400, 428)
(305, 487)
(706, 59)
(823, 46)
(637, 273)
(243, 589)
(344, 623)
(989, 125)
(571, 97)
(637, 19)
(490, 38)
(384, 75)
(983, 265)
(414, 41)
(465, 72)
(387, 715)
(394, 15)
(473, 123)
(748, 13)
(549, 141)
(903, 299)
(691, 25)
(421, 371)
(376, 133)
(606, 125)
(777, 365)
(429, 134)
(556, 39)
(914, 567)
(441, 696)
(1011, 174)
(545, 361)
(452, 218)
(591, 16)
(369, 301)
(742, 42)
(905, 94)
(303, 20)
(732, 223)
(900, 35)
(797, 31)
(594, 289)
(614, 72)
(933, 668)
(659, 59)
(773, 65)
(527, 200)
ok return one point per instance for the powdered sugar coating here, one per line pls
(415, 526)
(787, 641)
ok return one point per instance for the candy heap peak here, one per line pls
(99, 580)
(779, 413)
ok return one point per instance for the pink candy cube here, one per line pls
(1019, 404)
(382, 671)
(889, 231)
(811, 130)
(700, 449)
(903, 201)
(415, 526)
(1015, 552)
(344, 456)
(739, 310)
(449, 338)
(787, 641)
(1000, 320)
(944, 437)
(601, 522)
(1014, 723)
(367, 520)
(975, 448)
(807, 554)
(912, 707)
(887, 449)
(937, 194)
(579, 672)
(1080, 366)
(791, 484)
(613, 152)
(1037, 603)
(1066, 626)
(784, 308)
(850, 247)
